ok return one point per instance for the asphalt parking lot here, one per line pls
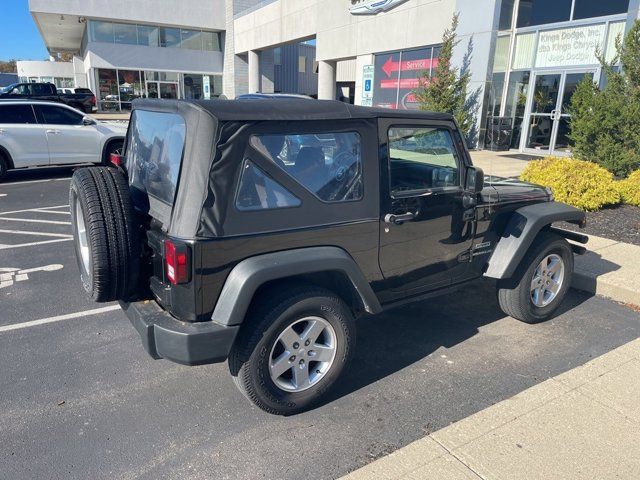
(81, 399)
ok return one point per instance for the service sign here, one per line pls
(569, 46)
(371, 7)
(367, 81)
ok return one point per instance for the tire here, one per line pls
(4, 166)
(258, 343)
(105, 233)
(517, 296)
(113, 147)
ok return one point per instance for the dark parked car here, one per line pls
(83, 99)
(218, 247)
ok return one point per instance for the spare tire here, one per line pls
(105, 233)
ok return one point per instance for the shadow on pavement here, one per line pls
(40, 173)
(401, 337)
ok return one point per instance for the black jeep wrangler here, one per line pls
(258, 230)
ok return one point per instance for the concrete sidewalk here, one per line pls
(582, 424)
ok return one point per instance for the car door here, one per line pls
(425, 233)
(22, 136)
(69, 140)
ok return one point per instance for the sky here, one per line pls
(19, 36)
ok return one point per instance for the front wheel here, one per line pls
(293, 348)
(541, 282)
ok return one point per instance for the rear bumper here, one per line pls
(182, 342)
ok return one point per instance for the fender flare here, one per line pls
(523, 227)
(251, 273)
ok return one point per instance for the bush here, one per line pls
(584, 185)
(604, 124)
(629, 189)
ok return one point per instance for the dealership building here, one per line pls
(525, 57)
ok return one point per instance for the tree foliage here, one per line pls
(8, 66)
(446, 90)
(604, 123)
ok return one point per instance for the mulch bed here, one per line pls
(620, 223)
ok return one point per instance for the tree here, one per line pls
(604, 124)
(446, 90)
(8, 67)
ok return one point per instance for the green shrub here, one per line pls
(584, 185)
(629, 189)
(604, 125)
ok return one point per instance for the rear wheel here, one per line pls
(541, 281)
(293, 348)
(105, 233)
(4, 166)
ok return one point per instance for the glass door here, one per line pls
(168, 90)
(548, 120)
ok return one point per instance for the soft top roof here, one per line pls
(285, 109)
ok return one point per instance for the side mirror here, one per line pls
(475, 180)
(86, 121)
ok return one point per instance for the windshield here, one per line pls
(7, 88)
(154, 153)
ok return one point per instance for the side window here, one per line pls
(20, 90)
(258, 191)
(53, 115)
(329, 165)
(422, 158)
(20, 114)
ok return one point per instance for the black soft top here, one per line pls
(280, 109)
(217, 136)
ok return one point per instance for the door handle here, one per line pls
(400, 218)
(53, 131)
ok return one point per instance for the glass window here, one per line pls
(615, 30)
(421, 158)
(170, 37)
(506, 14)
(21, 89)
(495, 93)
(501, 59)
(16, 114)
(129, 87)
(53, 115)
(414, 64)
(191, 39)
(211, 41)
(41, 89)
(540, 12)
(101, 31)
(523, 51)
(154, 153)
(193, 86)
(148, 36)
(215, 82)
(329, 165)
(302, 64)
(258, 191)
(108, 97)
(599, 8)
(517, 91)
(277, 56)
(125, 33)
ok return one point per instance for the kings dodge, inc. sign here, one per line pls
(371, 7)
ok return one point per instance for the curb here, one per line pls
(589, 283)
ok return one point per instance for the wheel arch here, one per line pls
(106, 146)
(329, 267)
(523, 227)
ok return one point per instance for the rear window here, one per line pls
(154, 153)
(83, 90)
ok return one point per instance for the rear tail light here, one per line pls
(116, 160)
(93, 100)
(176, 259)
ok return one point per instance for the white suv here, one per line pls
(37, 133)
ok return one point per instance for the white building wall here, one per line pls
(31, 68)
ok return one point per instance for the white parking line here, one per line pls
(31, 220)
(8, 247)
(37, 181)
(32, 209)
(41, 234)
(59, 318)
